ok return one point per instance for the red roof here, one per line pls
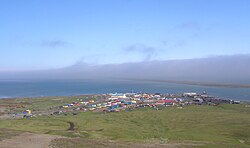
(166, 101)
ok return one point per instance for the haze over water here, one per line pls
(10, 89)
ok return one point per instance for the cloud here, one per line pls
(225, 69)
(54, 43)
(147, 51)
(190, 25)
(94, 59)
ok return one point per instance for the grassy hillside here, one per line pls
(223, 125)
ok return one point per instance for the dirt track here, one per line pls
(28, 140)
(32, 140)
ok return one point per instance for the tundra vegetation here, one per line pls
(224, 125)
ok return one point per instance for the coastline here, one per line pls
(75, 88)
(97, 94)
(226, 85)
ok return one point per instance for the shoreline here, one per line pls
(206, 87)
(40, 97)
(87, 95)
(226, 85)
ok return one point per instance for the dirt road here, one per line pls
(28, 140)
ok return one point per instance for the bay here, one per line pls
(42, 88)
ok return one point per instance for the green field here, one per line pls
(192, 126)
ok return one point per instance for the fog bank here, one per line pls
(219, 69)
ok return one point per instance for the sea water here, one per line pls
(14, 89)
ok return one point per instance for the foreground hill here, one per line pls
(190, 126)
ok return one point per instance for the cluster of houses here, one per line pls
(201, 99)
(25, 114)
(123, 101)
(116, 102)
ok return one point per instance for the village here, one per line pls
(117, 102)
(153, 115)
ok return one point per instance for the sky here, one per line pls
(49, 34)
